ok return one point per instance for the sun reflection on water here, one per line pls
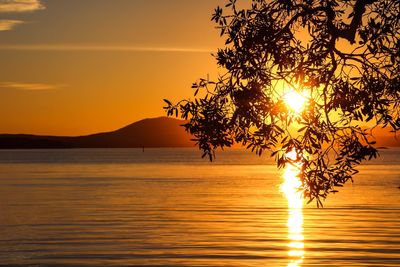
(295, 217)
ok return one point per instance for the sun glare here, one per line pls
(295, 101)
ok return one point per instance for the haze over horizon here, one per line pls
(79, 67)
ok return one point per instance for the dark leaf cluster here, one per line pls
(344, 54)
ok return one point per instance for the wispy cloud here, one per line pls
(100, 48)
(28, 86)
(14, 6)
(17, 6)
(8, 24)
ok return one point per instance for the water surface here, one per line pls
(168, 207)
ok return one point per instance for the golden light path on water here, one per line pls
(295, 217)
(296, 101)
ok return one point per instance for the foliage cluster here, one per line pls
(345, 54)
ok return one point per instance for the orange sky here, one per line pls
(78, 67)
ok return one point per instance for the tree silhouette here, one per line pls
(341, 56)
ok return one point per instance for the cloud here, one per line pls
(101, 48)
(8, 24)
(18, 6)
(28, 86)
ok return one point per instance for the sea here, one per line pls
(170, 207)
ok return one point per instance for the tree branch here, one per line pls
(349, 31)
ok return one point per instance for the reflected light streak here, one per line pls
(295, 217)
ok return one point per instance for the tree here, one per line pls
(342, 57)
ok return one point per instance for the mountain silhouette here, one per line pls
(154, 132)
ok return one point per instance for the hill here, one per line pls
(155, 132)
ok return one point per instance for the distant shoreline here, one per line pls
(155, 132)
(148, 133)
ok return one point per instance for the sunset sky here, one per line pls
(76, 67)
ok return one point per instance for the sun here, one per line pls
(295, 101)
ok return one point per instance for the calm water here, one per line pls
(167, 207)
